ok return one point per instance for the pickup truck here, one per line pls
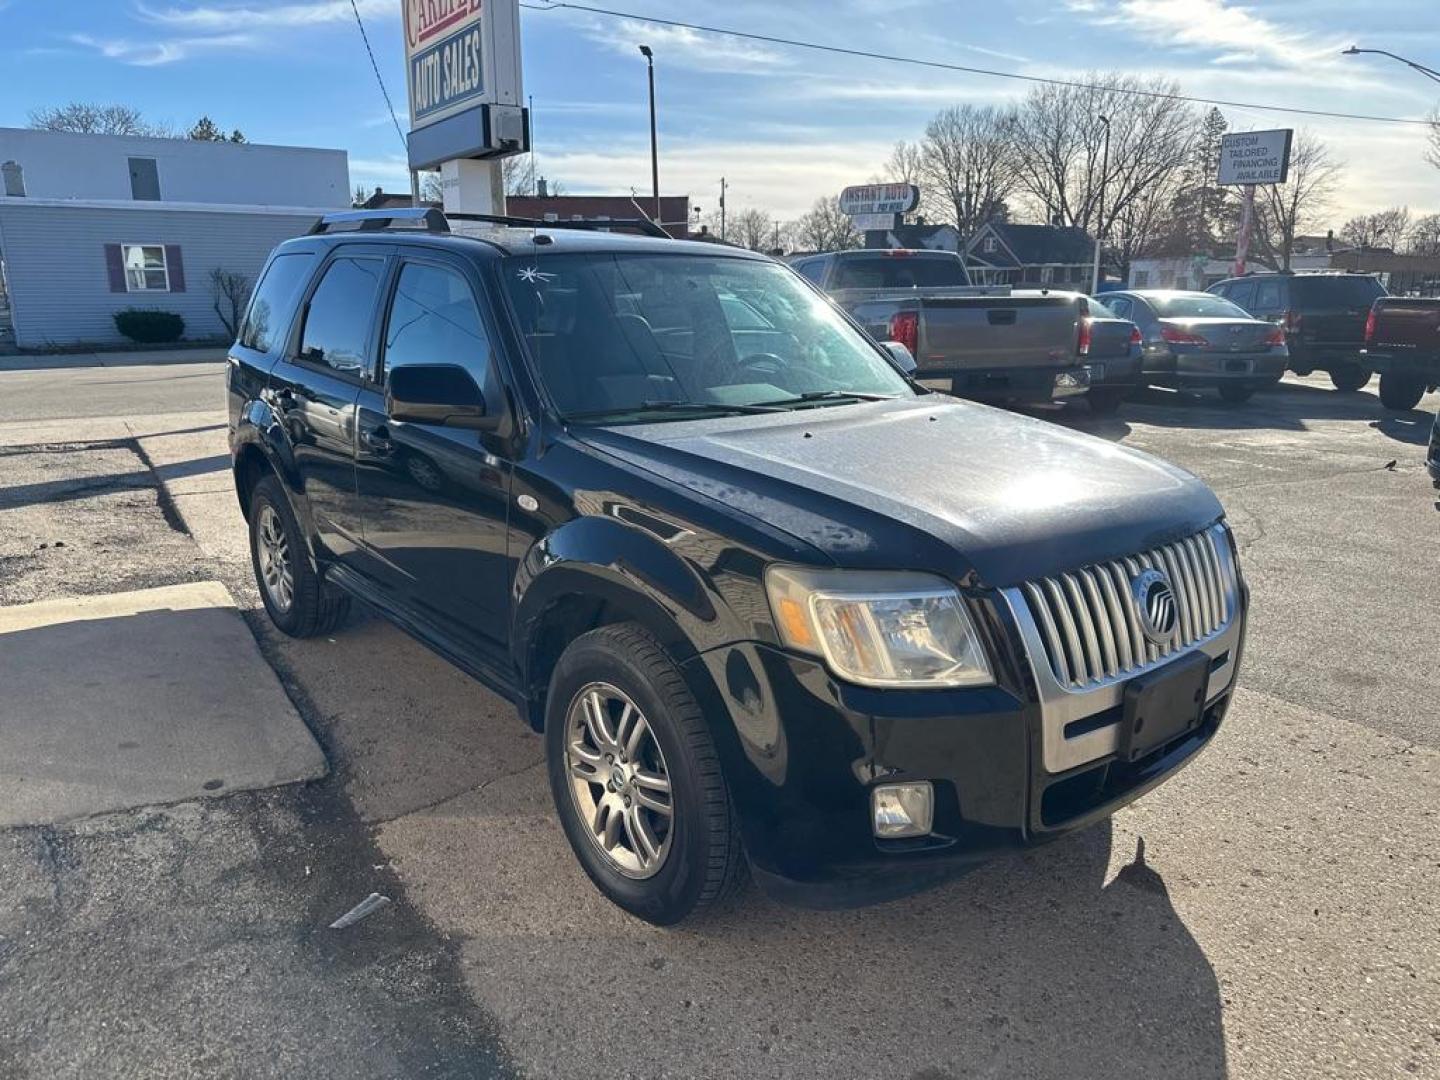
(1402, 343)
(984, 342)
(681, 545)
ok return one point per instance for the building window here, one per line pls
(991, 245)
(1046, 275)
(1142, 278)
(144, 179)
(145, 268)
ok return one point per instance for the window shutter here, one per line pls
(176, 265)
(115, 267)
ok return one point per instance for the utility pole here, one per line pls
(1100, 219)
(654, 139)
(722, 208)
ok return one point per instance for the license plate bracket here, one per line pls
(1163, 705)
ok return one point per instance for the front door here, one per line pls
(313, 390)
(434, 498)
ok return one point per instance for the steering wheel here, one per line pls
(763, 363)
(772, 368)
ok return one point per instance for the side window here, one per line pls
(340, 314)
(1243, 294)
(434, 320)
(273, 303)
(1267, 297)
(811, 269)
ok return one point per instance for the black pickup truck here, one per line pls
(651, 492)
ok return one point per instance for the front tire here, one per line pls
(1401, 392)
(1348, 378)
(292, 591)
(636, 780)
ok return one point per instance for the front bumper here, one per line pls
(801, 752)
(1022, 384)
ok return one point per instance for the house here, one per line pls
(918, 237)
(1001, 253)
(93, 224)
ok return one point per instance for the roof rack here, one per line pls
(433, 219)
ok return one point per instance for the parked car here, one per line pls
(1195, 340)
(1432, 456)
(1114, 376)
(1323, 315)
(989, 343)
(690, 554)
(1402, 343)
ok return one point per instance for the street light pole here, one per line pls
(654, 140)
(1428, 72)
(1100, 219)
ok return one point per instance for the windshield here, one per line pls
(900, 272)
(616, 333)
(1196, 307)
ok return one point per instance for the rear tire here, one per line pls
(1401, 392)
(1105, 400)
(697, 863)
(1348, 378)
(292, 591)
(1236, 393)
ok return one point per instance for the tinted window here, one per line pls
(1335, 291)
(274, 301)
(1243, 294)
(1267, 296)
(609, 332)
(811, 269)
(900, 272)
(434, 320)
(342, 309)
(1196, 307)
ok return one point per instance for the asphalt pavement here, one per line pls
(1268, 913)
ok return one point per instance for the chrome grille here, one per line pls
(1092, 625)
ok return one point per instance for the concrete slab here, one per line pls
(138, 698)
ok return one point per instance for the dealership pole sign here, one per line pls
(1255, 157)
(879, 199)
(462, 62)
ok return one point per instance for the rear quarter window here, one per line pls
(273, 303)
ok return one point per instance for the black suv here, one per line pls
(772, 604)
(1323, 315)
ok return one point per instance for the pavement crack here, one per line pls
(476, 790)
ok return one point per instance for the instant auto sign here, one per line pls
(445, 56)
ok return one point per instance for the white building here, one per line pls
(93, 224)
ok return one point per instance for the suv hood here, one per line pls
(978, 494)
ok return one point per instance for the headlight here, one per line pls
(879, 628)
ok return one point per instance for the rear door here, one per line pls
(314, 386)
(435, 498)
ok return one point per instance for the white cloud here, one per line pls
(223, 17)
(155, 52)
(1215, 26)
(675, 45)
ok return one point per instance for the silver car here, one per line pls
(1194, 340)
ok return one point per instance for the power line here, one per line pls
(388, 104)
(796, 44)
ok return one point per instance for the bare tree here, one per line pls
(824, 228)
(230, 292)
(357, 200)
(1060, 139)
(88, 118)
(1424, 236)
(968, 164)
(752, 228)
(1285, 211)
(1388, 228)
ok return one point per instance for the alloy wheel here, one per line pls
(619, 781)
(273, 551)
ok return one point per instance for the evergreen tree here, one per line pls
(1203, 214)
(206, 131)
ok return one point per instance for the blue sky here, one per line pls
(783, 125)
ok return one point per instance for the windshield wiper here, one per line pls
(827, 395)
(722, 408)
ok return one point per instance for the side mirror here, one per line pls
(443, 394)
(901, 355)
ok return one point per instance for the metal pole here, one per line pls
(646, 52)
(722, 208)
(1100, 219)
(1242, 239)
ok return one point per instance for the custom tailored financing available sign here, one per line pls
(460, 54)
(1255, 157)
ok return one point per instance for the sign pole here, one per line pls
(1247, 221)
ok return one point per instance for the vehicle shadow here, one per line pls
(1040, 965)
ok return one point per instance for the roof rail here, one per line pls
(431, 218)
(640, 224)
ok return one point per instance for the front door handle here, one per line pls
(377, 440)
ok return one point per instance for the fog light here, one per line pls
(903, 809)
